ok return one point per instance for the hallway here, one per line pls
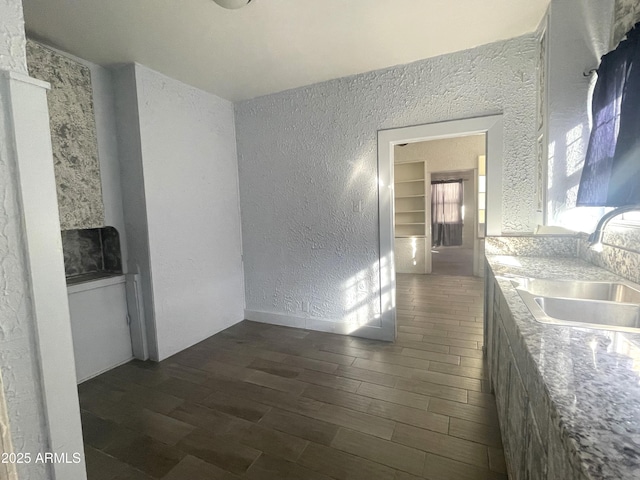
(457, 261)
(258, 401)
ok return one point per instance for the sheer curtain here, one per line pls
(446, 213)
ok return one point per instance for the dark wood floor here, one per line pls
(265, 402)
(452, 261)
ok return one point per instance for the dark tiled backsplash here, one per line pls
(111, 255)
(91, 250)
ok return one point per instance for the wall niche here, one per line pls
(91, 253)
(73, 136)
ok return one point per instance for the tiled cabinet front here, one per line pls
(512, 405)
(526, 444)
(536, 457)
(517, 424)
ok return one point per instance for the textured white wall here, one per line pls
(306, 155)
(579, 34)
(191, 189)
(13, 43)
(18, 348)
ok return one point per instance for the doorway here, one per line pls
(492, 128)
(438, 219)
(452, 239)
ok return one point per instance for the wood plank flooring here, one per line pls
(264, 402)
(452, 261)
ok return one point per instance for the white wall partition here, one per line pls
(180, 184)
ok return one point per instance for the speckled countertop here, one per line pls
(593, 386)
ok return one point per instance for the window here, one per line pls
(611, 173)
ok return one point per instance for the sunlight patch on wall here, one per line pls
(551, 166)
(387, 287)
(575, 150)
(361, 299)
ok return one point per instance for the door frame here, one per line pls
(493, 127)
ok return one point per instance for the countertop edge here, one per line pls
(504, 266)
(97, 283)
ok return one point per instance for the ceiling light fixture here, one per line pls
(232, 4)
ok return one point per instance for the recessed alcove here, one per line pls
(91, 253)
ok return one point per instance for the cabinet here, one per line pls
(519, 433)
(411, 217)
(534, 446)
(99, 324)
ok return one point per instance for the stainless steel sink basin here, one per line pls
(604, 305)
(606, 291)
(589, 311)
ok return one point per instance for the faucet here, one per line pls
(595, 239)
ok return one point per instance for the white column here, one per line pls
(43, 247)
(36, 351)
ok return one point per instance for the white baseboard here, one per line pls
(373, 331)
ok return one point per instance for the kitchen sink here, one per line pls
(606, 291)
(604, 305)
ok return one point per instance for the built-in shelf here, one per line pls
(411, 216)
(409, 196)
(410, 181)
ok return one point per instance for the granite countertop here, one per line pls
(592, 377)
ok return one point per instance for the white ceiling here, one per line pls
(273, 45)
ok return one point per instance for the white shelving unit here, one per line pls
(411, 184)
(409, 188)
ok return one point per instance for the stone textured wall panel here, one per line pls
(73, 136)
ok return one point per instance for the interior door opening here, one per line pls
(402, 218)
(438, 208)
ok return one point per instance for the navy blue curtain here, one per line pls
(611, 173)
